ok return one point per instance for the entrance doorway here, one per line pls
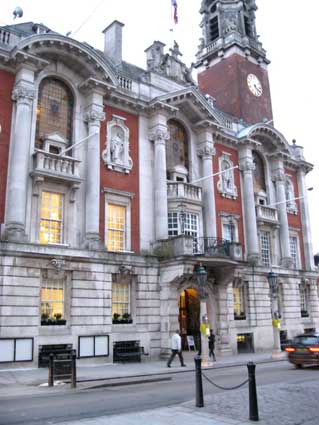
(189, 320)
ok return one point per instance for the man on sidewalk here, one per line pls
(176, 349)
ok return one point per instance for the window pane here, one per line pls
(51, 223)
(52, 300)
(120, 298)
(115, 227)
(265, 248)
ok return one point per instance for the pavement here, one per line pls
(33, 381)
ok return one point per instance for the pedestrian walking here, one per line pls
(211, 344)
(176, 349)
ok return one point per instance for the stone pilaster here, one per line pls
(279, 179)
(206, 151)
(305, 219)
(223, 319)
(247, 167)
(159, 135)
(93, 117)
(23, 96)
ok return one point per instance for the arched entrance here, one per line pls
(189, 320)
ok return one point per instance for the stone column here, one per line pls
(279, 179)
(159, 135)
(93, 116)
(23, 94)
(247, 166)
(223, 318)
(305, 219)
(206, 151)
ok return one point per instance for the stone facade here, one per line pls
(107, 214)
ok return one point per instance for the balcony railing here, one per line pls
(62, 167)
(212, 247)
(184, 190)
(266, 213)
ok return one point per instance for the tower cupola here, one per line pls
(226, 24)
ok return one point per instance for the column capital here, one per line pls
(278, 176)
(159, 134)
(94, 115)
(247, 165)
(23, 93)
(206, 149)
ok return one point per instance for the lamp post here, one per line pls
(201, 276)
(273, 286)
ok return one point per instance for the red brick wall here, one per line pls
(6, 86)
(226, 205)
(295, 220)
(120, 181)
(227, 83)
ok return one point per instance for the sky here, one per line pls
(287, 31)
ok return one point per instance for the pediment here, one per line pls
(269, 137)
(80, 57)
(192, 104)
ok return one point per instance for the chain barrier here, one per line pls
(225, 388)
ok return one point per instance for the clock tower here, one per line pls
(231, 62)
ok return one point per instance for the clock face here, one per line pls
(254, 85)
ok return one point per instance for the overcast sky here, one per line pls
(287, 30)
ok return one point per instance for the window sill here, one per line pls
(122, 327)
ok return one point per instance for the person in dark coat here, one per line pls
(211, 344)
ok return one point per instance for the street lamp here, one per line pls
(201, 276)
(273, 286)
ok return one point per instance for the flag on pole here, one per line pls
(175, 16)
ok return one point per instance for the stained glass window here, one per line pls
(54, 110)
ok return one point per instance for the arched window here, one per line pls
(54, 110)
(177, 152)
(259, 174)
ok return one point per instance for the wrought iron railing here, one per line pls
(212, 247)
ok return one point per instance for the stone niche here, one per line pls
(117, 146)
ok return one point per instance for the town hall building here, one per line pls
(118, 184)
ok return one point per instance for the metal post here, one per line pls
(198, 382)
(51, 372)
(73, 376)
(253, 404)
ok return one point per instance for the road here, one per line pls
(96, 402)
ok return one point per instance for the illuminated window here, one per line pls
(121, 301)
(52, 303)
(115, 227)
(54, 110)
(239, 297)
(51, 224)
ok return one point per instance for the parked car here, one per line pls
(304, 350)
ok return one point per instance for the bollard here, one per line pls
(253, 404)
(73, 376)
(198, 382)
(51, 372)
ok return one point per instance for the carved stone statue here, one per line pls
(117, 147)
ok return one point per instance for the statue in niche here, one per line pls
(227, 178)
(117, 147)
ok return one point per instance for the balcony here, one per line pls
(47, 164)
(266, 214)
(185, 191)
(207, 247)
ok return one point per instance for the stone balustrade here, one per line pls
(55, 165)
(265, 213)
(184, 190)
